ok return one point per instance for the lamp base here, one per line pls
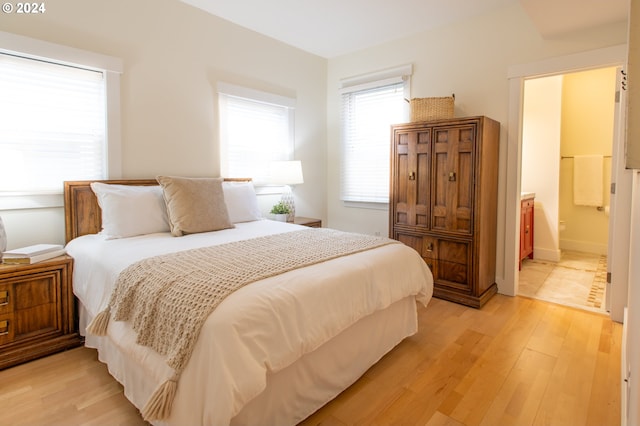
(287, 200)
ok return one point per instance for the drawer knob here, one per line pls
(430, 247)
(4, 327)
(4, 298)
(412, 176)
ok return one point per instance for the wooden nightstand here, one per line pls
(307, 221)
(37, 310)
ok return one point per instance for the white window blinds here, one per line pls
(52, 124)
(367, 115)
(254, 132)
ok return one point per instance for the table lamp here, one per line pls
(286, 173)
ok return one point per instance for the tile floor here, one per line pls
(578, 280)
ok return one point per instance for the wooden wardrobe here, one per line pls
(443, 202)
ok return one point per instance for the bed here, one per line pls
(271, 352)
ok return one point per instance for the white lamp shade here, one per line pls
(285, 173)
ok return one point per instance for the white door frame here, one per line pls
(611, 56)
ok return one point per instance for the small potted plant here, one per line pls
(280, 211)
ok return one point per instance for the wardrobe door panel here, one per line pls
(400, 185)
(410, 180)
(423, 169)
(453, 179)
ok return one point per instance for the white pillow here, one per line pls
(129, 210)
(241, 201)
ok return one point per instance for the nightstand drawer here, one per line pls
(6, 298)
(7, 328)
(31, 300)
(36, 320)
(35, 291)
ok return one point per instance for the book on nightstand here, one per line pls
(32, 254)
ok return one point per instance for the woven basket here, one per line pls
(425, 109)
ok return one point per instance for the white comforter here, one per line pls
(262, 327)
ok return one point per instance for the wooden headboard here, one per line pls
(82, 214)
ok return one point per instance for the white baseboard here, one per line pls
(546, 254)
(583, 246)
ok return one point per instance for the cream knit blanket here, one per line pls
(167, 298)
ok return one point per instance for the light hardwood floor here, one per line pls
(518, 361)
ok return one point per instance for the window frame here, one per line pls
(111, 68)
(365, 82)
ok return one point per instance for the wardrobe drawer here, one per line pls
(453, 251)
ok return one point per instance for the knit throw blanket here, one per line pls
(183, 288)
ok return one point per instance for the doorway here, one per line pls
(567, 140)
(620, 203)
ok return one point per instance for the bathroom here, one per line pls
(568, 130)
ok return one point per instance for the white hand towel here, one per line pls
(587, 180)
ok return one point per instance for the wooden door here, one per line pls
(410, 177)
(453, 178)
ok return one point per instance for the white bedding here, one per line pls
(259, 330)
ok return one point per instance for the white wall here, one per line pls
(541, 132)
(633, 325)
(173, 56)
(470, 59)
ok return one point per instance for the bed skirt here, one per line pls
(293, 393)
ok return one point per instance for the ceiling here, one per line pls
(331, 28)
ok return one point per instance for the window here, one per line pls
(256, 128)
(53, 124)
(60, 119)
(370, 105)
